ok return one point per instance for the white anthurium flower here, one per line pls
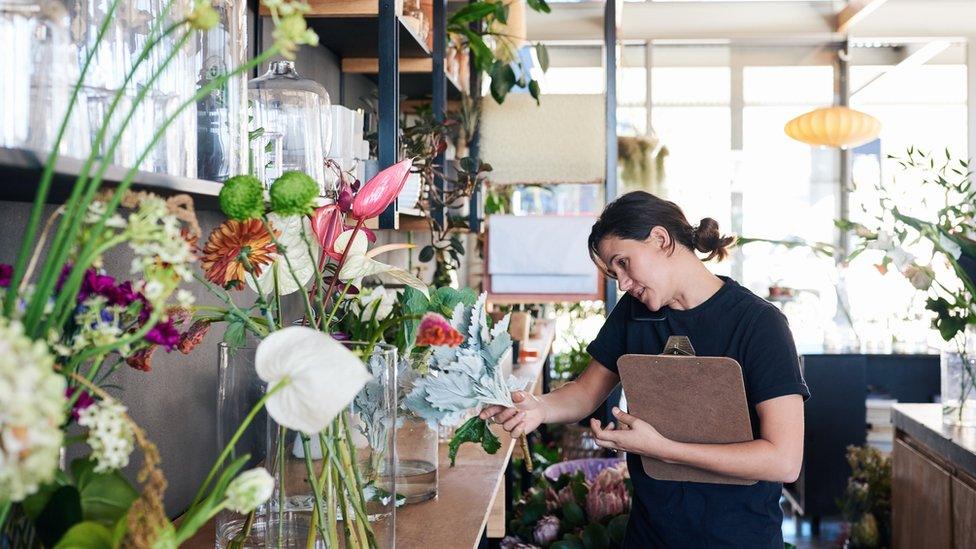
(296, 251)
(321, 377)
(360, 263)
(380, 299)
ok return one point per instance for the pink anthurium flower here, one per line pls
(380, 191)
(327, 226)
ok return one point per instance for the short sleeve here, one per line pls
(611, 343)
(769, 361)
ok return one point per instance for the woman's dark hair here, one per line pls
(635, 214)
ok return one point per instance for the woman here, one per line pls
(648, 246)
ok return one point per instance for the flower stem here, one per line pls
(67, 232)
(291, 270)
(47, 176)
(233, 440)
(318, 521)
(329, 477)
(74, 280)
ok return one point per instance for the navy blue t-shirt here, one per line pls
(734, 323)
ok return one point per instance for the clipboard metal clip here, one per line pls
(678, 345)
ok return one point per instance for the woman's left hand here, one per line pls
(633, 435)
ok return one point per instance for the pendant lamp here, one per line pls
(841, 127)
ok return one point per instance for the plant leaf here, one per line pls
(86, 535)
(62, 512)
(542, 52)
(473, 430)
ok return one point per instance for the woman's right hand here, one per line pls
(529, 412)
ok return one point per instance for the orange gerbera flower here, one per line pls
(232, 246)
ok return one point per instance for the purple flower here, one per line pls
(84, 400)
(345, 198)
(95, 284)
(164, 334)
(340, 336)
(123, 294)
(6, 273)
(546, 530)
(65, 271)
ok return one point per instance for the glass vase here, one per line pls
(416, 447)
(39, 69)
(222, 114)
(353, 462)
(238, 390)
(298, 109)
(958, 363)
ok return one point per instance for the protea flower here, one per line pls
(555, 500)
(608, 495)
(546, 530)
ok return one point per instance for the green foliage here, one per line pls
(87, 535)
(62, 511)
(473, 430)
(866, 503)
(474, 23)
(105, 497)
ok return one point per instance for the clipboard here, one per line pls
(687, 398)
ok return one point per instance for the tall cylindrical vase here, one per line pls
(351, 465)
(958, 363)
(222, 114)
(416, 446)
(239, 389)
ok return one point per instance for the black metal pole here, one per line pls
(389, 115)
(438, 210)
(474, 88)
(257, 46)
(610, 64)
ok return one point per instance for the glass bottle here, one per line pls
(38, 71)
(298, 109)
(222, 114)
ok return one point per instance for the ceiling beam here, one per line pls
(854, 12)
(758, 23)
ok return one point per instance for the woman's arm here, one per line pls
(567, 404)
(775, 456)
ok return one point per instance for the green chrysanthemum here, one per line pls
(293, 193)
(242, 198)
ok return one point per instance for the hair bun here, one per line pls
(708, 240)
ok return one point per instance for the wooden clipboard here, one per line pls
(687, 398)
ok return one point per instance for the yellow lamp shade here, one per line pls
(834, 127)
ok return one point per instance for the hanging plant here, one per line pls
(482, 28)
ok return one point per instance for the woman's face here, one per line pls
(640, 267)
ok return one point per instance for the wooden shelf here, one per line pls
(415, 75)
(350, 28)
(21, 171)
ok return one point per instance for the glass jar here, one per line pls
(134, 25)
(222, 114)
(416, 442)
(298, 109)
(358, 447)
(39, 70)
(958, 362)
(238, 390)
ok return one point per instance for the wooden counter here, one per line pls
(933, 486)
(470, 496)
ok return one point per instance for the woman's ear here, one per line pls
(660, 238)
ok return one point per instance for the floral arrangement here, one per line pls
(866, 503)
(66, 326)
(951, 230)
(573, 511)
(467, 376)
